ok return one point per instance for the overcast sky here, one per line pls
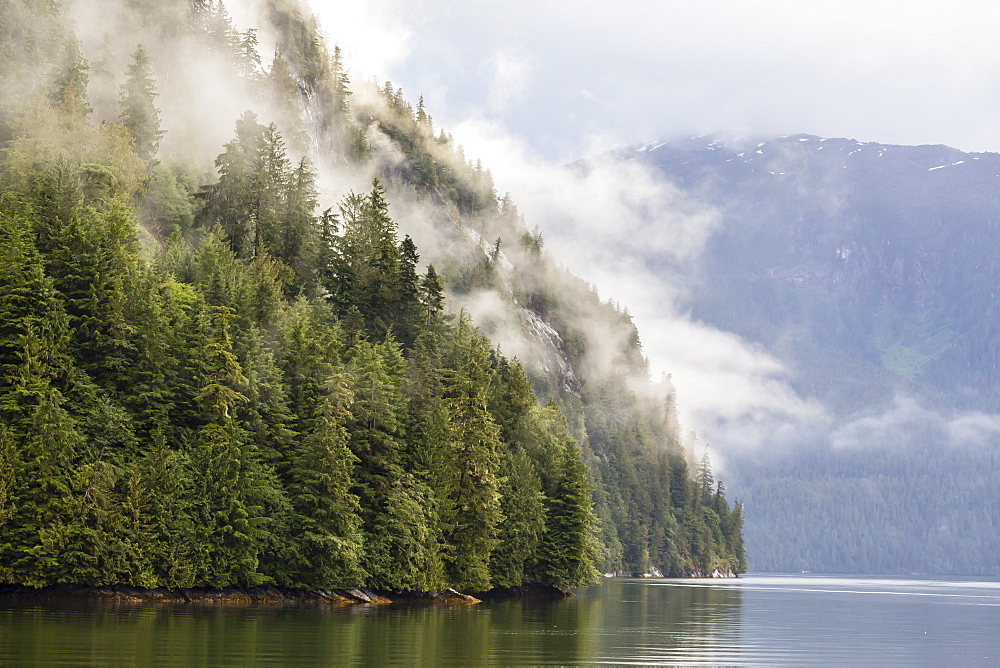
(570, 77)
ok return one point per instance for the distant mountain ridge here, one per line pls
(881, 257)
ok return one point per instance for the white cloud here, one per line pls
(526, 86)
(907, 421)
(511, 70)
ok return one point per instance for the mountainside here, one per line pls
(875, 261)
(871, 271)
(236, 344)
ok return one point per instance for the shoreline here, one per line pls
(267, 595)
(714, 575)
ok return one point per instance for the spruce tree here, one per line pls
(138, 113)
(230, 483)
(568, 549)
(69, 94)
(522, 504)
(474, 492)
(327, 526)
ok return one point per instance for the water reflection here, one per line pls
(657, 622)
(430, 635)
(751, 621)
(613, 621)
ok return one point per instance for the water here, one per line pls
(769, 620)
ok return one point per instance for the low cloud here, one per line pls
(907, 422)
(619, 226)
(622, 228)
(975, 429)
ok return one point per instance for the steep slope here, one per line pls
(206, 381)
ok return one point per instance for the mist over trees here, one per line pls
(207, 381)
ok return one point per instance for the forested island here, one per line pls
(209, 380)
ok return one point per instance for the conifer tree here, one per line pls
(28, 300)
(327, 524)
(474, 492)
(402, 551)
(431, 296)
(568, 549)
(368, 263)
(377, 425)
(341, 82)
(298, 241)
(229, 479)
(247, 56)
(47, 536)
(138, 114)
(522, 504)
(69, 94)
(164, 488)
(9, 464)
(704, 479)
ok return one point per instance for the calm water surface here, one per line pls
(770, 620)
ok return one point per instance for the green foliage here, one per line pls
(474, 490)
(327, 521)
(209, 385)
(263, 204)
(368, 270)
(522, 505)
(568, 549)
(138, 114)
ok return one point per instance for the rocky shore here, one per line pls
(657, 574)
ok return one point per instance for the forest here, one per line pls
(209, 379)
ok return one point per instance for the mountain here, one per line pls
(871, 272)
(877, 261)
(245, 305)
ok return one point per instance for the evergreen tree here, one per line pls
(474, 492)
(704, 479)
(138, 114)
(28, 302)
(51, 536)
(341, 82)
(163, 496)
(327, 525)
(378, 419)
(69, 93)
(229, 481)
(431, 296)
(568, 549)
(247, 56)
(519, 534)
(402, 552)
